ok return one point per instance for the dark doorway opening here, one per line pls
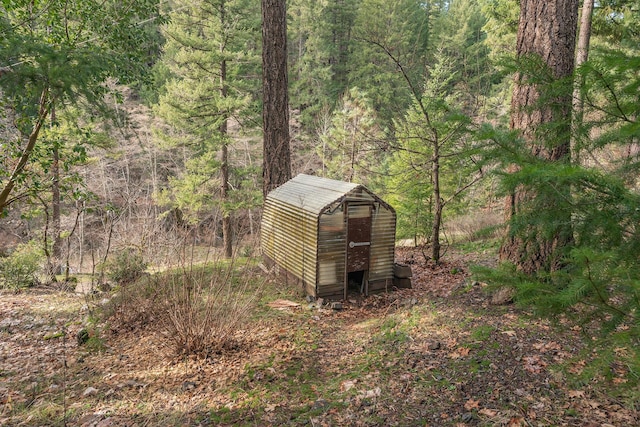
(356, 282)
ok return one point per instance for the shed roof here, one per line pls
(311, 193)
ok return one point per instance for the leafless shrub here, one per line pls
(205, 308)
(199, 309)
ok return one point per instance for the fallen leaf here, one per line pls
(593, 404)
(577, 367)
(347, 385)
(488, 412)
(270, 407)
(534, 364)
(544, 347)
(459, 352)
(510, 333)
(573, 394)
(471, 404)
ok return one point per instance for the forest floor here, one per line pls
(439, 354)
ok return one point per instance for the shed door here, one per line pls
(358, 237)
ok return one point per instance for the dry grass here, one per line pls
(479, 225)
(197, 308)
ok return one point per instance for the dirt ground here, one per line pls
(439, 354)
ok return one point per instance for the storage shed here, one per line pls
(332, 237)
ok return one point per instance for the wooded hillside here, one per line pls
(141, 135)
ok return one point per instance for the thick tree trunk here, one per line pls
(547, 30)
(275, 115)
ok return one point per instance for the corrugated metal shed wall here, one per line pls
(289, 238)
(331, 244)
(383, 240)
(304, 231)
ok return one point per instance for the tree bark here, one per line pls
(437, 201)
(226, 215)
(547, 30)
(275, 113)
(227, 240)
(582, 54)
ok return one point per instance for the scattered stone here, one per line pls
(188, 385)
(90, 391)
(468, 417)
(320, 404)
(434, 345)
(502, 296)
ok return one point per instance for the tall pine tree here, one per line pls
(211, 52)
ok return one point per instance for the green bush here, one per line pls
(20, 268)
(126, 266)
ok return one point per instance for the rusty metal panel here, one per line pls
(359, 240)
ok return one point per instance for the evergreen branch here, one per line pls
(405, 75)
(603, 301)
(622, 116)
(462, 189)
